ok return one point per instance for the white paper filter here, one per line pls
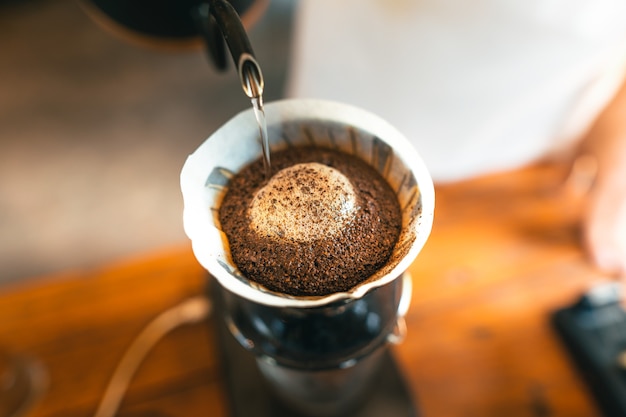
(205, 175)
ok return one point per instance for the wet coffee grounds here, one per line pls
(332, 262)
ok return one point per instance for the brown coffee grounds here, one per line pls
(325, 265)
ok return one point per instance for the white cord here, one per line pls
(192, 310)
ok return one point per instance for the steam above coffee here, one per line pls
(324, 222)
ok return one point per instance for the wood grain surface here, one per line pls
(503, 254)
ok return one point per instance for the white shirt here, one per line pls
(477, 86)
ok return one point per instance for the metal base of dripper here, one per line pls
(249, 394)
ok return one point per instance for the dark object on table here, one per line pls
(594, 331)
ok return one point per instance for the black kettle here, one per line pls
(183, 23)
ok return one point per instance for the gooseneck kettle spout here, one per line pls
(217, 22)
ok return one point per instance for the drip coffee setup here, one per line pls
(288, 353)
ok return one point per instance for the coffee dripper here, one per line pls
(319, 354)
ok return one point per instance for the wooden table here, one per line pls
(503, 254)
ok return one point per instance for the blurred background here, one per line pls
(94, 131)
